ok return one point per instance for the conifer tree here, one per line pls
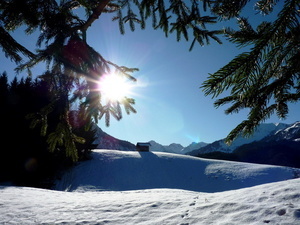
(72, 62)
(266, 78)
(25, 160)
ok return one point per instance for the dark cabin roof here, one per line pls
(143, 144)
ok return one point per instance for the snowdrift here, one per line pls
(130, 170)
(146, 188)
(276, 203)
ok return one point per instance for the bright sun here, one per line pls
(114, 87)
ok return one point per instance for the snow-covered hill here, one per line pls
(276, 204)
(132, 170)
(160, 193)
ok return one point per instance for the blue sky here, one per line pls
(170, 106)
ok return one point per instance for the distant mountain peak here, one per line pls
(291, 132)
(172, 148)
(265, 130)
(175, 148)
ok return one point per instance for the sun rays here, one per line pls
(114, 87)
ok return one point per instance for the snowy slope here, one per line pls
(157, 197)
(131, 170)
(275, 203)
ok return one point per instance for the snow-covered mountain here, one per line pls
(263, 131)
(281, 130)
(106, 141)
(290, 133)
(172, 148)
(193, 146)
(279, 148)
(175, 148)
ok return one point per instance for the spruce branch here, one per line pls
(97, 11)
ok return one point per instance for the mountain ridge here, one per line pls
(281, 148)
(267, 130)
(263, 130)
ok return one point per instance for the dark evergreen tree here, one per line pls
(84, 127)
(3, 90)
(25, 159)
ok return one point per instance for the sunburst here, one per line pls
(114, 87)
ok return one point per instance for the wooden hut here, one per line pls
(143, 146)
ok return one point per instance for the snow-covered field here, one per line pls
(118, 187)
(131, 170)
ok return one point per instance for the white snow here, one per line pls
(290, 132)
(158, 188)
(132, 170)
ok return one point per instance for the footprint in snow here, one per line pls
(297, 214)
(186, 214)
(281, 212)
(193, 203)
